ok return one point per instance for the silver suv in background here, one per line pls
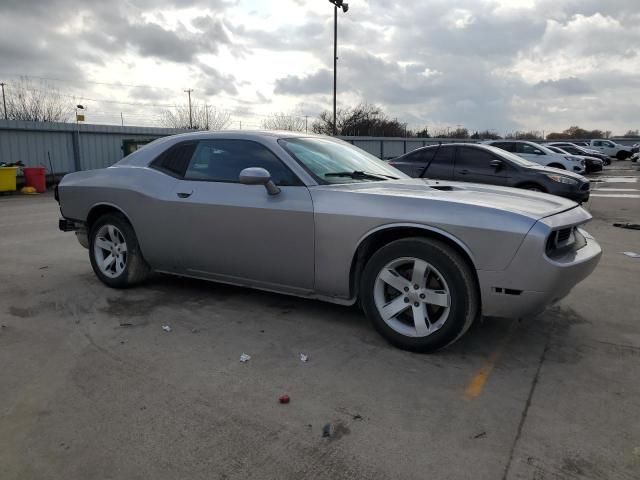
(540, 154)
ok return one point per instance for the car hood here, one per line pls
(534, 205)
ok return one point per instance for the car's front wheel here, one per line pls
(420, 294)
(115, 253)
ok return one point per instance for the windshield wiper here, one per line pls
(357, 174)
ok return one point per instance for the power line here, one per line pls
(76, 81)
(140, 104)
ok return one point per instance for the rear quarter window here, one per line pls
(175, 160)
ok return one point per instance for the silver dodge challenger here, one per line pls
(316, 217)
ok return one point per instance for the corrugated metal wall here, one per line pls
(102, 145)
(31, 148)
(387, 148)
(99, 145)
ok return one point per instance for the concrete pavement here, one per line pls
(92, 387)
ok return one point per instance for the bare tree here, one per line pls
(449, 133)
(577, 132)
(486, 135)
(37, 102)
(285, 121)
(362, 120)
(203, 117)
(524, 135)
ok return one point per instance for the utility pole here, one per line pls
(206, 116)
(345, 7)
(240, 124)
(4, 101)
(335, 67)
(121, 119)
(188, 92)
(306, 121)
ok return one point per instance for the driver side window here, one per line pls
(223, 160)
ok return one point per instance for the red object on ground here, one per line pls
(284, 399)
(35, 177)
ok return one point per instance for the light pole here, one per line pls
(345, 7)
(79, 118)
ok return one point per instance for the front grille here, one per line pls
(564, 240)
(563, 235)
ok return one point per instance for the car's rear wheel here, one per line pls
(420, 294)
(623, 155)
(115, 253)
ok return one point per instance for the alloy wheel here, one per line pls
(110, 251)
(412, 297)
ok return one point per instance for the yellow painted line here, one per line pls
(476, 384)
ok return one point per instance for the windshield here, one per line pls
(511, 157)
(334, 161)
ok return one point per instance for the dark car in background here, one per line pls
(591, 164)
(481, 163)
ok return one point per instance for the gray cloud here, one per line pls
(318, 82)
(564, 86)
(436, 62)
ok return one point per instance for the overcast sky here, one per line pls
(496, 64)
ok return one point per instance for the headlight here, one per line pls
(562, 179)
(573, 159)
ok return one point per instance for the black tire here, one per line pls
(136, 269)
(534, 187)
(458, 274)
(557, 165)
(623, 155)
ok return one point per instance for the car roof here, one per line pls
(246, 134)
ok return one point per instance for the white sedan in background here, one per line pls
(540, 154)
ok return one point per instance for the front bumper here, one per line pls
(578, 196)
(533, 280)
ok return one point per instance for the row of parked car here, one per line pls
(555, 168)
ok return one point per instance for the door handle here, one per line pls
(184, 194)
(463, 171)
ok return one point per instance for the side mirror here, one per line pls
(538, 152)
(497, 164)
(259, 176)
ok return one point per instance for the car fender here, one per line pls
(110, 205)
(427, 228)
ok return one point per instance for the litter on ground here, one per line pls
(166, 328)
(304, 357)
(244, 358)
(631, 254)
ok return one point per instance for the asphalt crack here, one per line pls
(527, 404)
